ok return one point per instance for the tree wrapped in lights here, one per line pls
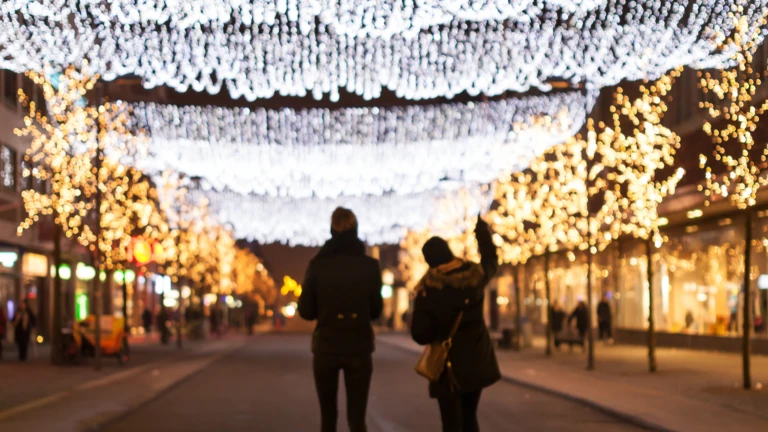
(735, 171)
(640, 179)
(512, 221)
(69, 150)
(587, 192)
(251, 277)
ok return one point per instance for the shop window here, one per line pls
(700, 280)
(8, 167)
(27, 182)
(10, 87)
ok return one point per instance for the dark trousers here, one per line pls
(604, 329)
(23, 344)
(357, 382)
(459, 412)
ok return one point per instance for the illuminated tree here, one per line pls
(735, 171)
(513, 222)
(642, 156)
(76, 149)
(587, 192)
(252, 278)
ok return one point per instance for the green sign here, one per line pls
(81, 306)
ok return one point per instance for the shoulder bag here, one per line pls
(435, 357)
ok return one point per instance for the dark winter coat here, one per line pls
(342, 291)
(442, 293)
(557, 318)
(604, 312)
(22, 331)
(582, 319)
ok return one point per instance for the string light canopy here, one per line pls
(380, 18)
(382, 219)
(258, 58)
(355, 151)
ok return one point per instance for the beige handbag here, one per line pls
(435, 357)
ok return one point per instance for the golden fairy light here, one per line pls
(101, 202)
(77, 149)
(734, 121)
(585, 193)
(250, 276)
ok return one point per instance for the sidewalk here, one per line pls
(693, 390)
(21, 383)
(92, 404)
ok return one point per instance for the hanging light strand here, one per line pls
(600, 46)
(383, 150)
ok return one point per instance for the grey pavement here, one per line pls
(266, 385)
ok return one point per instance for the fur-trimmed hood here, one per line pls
(457, 274)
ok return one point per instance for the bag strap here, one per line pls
(455, 327)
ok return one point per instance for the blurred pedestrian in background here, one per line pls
(162, 325)
(146, 318)
(581, 316)
(556, 319)
(604, 319)
(3, 328)
(24, 324)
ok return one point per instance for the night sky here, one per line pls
(282, 260)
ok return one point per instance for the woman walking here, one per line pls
(452, 286)
(24, 323)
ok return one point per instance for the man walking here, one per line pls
(604, 318)
(342, 291)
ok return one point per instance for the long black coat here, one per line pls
(342, 291)
(441, 295)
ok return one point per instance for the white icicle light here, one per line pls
(355, 151)
(258, 56)
(382, 219)
(379, 18)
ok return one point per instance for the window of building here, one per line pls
(26, 181)
(10, 87)
(8, 167)
(699, 279)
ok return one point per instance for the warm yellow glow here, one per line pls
(586, 193)
(290, 286)
(737, 173)
(80, 150)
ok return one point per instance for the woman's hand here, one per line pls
(481, 225)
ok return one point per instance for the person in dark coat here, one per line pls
(3, 326)
(146, 318)
(450, 286)
(24, 323)
(581, 316)
(162, 325)
(342, 291)
(557, 319)
(604, 318)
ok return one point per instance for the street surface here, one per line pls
(266, 385)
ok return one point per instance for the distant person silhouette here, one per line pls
(342, 291)
(453, 285)
(24, 323)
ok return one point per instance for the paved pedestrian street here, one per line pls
(266, 385)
